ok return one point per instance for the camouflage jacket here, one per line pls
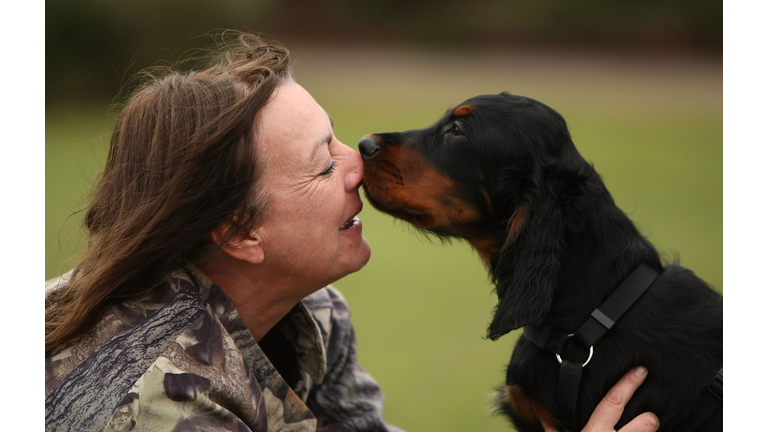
(182, 359)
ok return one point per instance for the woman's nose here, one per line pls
(354, 174)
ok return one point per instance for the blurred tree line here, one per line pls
(94, 46)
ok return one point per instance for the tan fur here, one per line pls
(529, 409)
(407, 181)
(516, 223)
(463, 110)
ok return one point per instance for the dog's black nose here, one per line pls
(368, 146)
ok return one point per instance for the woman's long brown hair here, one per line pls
(181, 161)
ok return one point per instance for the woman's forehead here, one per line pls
(292, 127)
(293, 113)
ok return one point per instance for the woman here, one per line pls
(225, 209)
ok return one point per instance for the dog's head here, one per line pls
(495, 170)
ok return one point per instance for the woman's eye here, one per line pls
(329, 170)
(456, 131)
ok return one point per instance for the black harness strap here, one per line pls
(601, 320)
(710, 401)
(604, 317)
(568, 382)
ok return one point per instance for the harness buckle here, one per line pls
(591, 351)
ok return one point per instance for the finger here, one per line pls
(608, 411)
(645, 422)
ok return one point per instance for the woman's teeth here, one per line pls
(349, 224)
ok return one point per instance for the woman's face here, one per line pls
(311, 234)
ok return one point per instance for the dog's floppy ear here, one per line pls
(526, 270)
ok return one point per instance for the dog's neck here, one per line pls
(594, 261)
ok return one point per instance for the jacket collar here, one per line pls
(306, 326)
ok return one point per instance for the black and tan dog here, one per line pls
(502, 172)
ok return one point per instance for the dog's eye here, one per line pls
(456, 131)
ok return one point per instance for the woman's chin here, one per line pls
(360, 257)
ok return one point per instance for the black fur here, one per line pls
(507, 154)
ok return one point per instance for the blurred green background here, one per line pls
(640, 84)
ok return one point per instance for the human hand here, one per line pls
(609, 410)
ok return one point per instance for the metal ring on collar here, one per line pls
(585, 363)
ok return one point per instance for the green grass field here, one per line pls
(652, 127)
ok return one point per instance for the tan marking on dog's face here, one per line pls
(463, 110)
(530, 410)
(400, 182)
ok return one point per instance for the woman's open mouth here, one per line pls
(350, 223)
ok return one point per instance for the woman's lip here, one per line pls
(349, 223)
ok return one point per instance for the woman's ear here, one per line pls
(244, 246)
(527, 267)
